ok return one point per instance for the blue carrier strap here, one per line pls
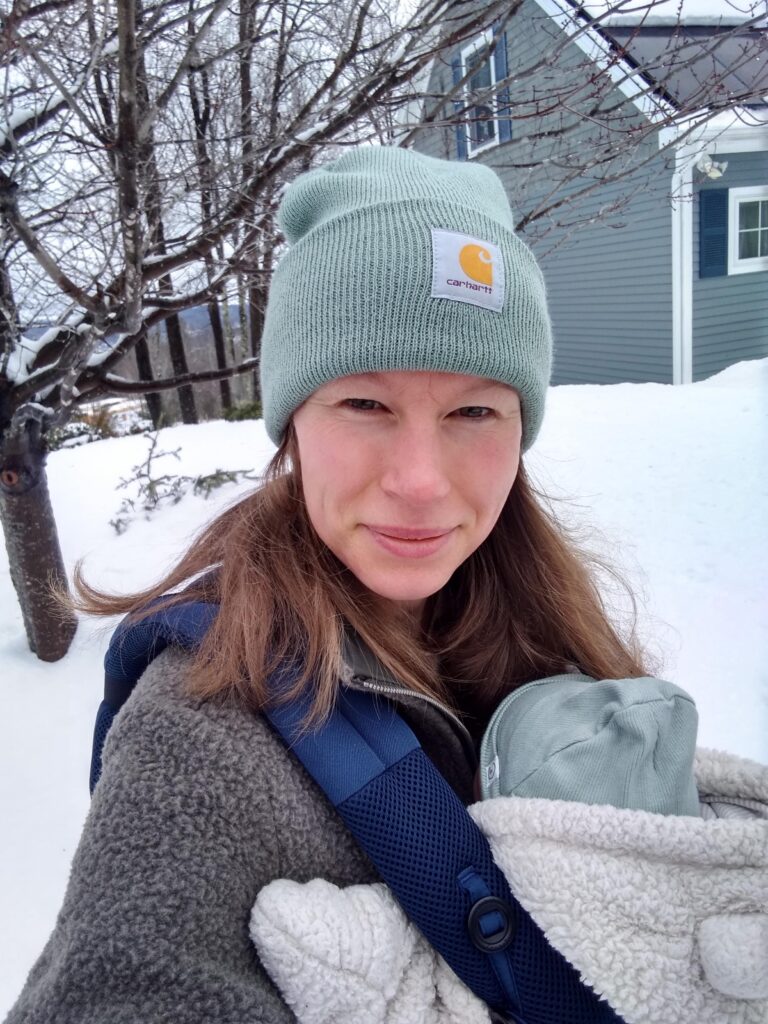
(133, 646)
(436, 860)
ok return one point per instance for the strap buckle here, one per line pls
(491, 924)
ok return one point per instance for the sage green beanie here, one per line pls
(625, 742)
(399, 261)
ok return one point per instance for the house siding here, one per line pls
(610, 292)
(730, 314)
(609, 281)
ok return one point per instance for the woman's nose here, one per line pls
(415, 466)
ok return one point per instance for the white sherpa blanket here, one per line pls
(666, 917)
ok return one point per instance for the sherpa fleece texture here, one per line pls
(665, 916)
(199, 806)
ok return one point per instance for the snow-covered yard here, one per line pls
(674, 480)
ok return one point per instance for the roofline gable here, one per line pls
(635, 84)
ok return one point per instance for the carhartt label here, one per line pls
(492, 770)
(467, 269)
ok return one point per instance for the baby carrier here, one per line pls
(425, 845)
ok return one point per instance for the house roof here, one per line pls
(694, 65)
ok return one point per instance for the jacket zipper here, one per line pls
(401, 691)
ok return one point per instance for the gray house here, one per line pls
(653, 240)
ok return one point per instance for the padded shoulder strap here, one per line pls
(132, 647)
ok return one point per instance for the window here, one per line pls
(485, 109)
(747, 229)
(482, 129)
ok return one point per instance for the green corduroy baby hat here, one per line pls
(399, 261)
(625, 742)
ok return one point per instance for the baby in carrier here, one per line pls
(643, 860)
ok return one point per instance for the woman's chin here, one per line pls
(409, 595)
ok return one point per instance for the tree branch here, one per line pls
(120, 386)
(9, 208)
(181, 71)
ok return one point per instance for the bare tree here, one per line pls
(144, 149)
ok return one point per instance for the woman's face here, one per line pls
(405, 473)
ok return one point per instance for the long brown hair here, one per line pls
(523, 606)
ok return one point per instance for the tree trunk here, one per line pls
(214, 313)
(34, 554)
(154, 212)
(230, 348)
(243, 317)
(179, 363)
(258, 293)
(144, 367)
(257, 304)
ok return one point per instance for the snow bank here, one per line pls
(674, 480)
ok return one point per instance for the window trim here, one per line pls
(736, 196)
(483, 41)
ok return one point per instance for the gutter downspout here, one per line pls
(682, 268)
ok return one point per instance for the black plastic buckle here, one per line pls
(496, 940)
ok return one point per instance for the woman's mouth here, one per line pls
(408, 542)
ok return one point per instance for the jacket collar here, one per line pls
(360, 663)
(363, 671)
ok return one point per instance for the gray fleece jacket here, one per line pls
(199, 806)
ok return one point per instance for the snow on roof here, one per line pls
(693, 50)
(675, 12)
(672, 21)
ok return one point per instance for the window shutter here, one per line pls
(503, 107)
(713, 232)
(459, 104)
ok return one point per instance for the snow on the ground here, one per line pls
(673, 478)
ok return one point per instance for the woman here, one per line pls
(395, 544)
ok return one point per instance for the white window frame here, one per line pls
(736, 196)
(485, 41)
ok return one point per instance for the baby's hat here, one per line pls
(626, 742)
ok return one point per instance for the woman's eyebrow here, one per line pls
(379, 377)
(488, 382)
(487, 385)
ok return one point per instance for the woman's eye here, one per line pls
(363, 404)
(475, 412)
